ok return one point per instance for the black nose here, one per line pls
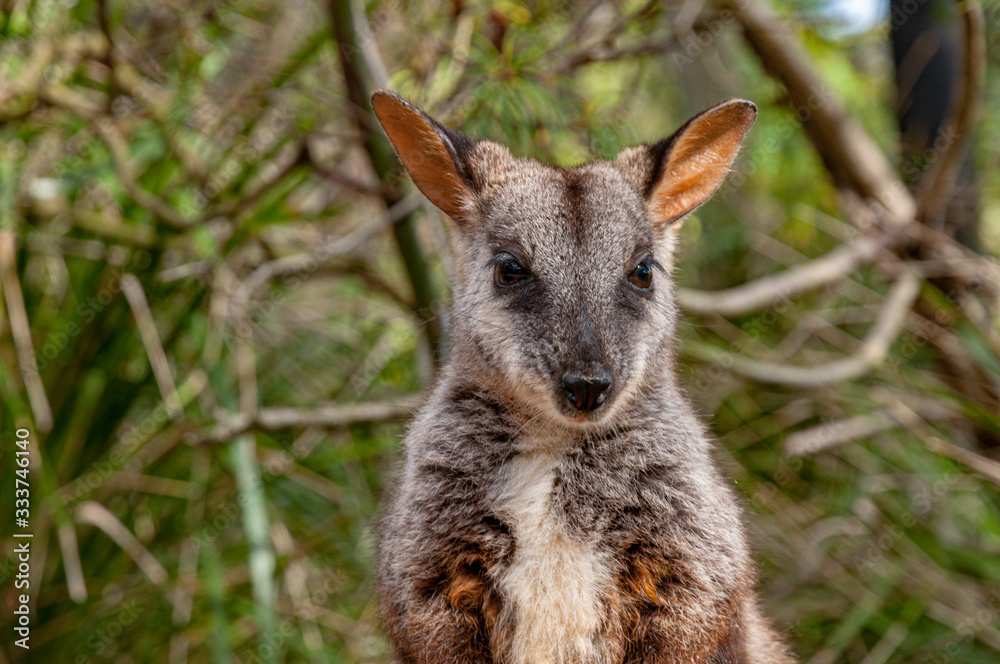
(586, 389)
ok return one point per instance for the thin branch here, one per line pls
(297, 582)
(151, 340)
(113, 229)
(601, 52)
(156, 101)
(328, 249)
(348, 182)
(872, 352)
(985, 466)
(988, 468)
(328, 416)
(88, 103)
(358, 62)
(934, 195)
(246, 356)
(851, 155)
(184, 271)
(596, 48)
(21, 331)
(839, 432)
(17, 96)
(140, 447)
(235, 206)
(98, 515)
(164, 486)
(768, 291)
(76, 587)
(109, 56)
(60, 245)
(118, 147)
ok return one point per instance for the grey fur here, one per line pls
(630, 494)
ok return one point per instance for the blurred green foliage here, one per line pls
(209, 151)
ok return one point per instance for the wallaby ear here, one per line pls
(690, 165)
(431, 153)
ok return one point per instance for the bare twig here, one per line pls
(986, 467)
(98, 515)
(329, 416)
(21, 331)
(151, 340)
(17, 96)
(601, 52)
(75, 584)
(939, 184)
(768, 291)
(138, 450)
(118, 147)
(832, 434)
(88, 103)
(959, 621)
(599, 30)
(297, 582)
(853, 158)
(113, 229)
(871, 353)
(246, 364)
(359, 81)
(329, 248)
(164, 486)
(915, 420)
(347, 181)
(60, 245)
(234, 206)
(109, 55)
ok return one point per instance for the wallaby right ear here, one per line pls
(432, 154)
(681, 172)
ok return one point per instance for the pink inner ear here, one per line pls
(424, 154)
(699, 160)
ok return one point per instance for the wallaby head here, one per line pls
(563, 297)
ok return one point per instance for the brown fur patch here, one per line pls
(466, 592)
(667, 619)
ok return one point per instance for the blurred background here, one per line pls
(220, 299)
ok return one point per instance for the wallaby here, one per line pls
(559, 503)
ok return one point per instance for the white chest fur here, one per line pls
(555, 581)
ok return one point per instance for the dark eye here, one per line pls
(642, 276)
(508, 272)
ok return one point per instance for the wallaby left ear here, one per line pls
(690, 165)
(431, 153)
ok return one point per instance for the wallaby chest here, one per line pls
(558, 576)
